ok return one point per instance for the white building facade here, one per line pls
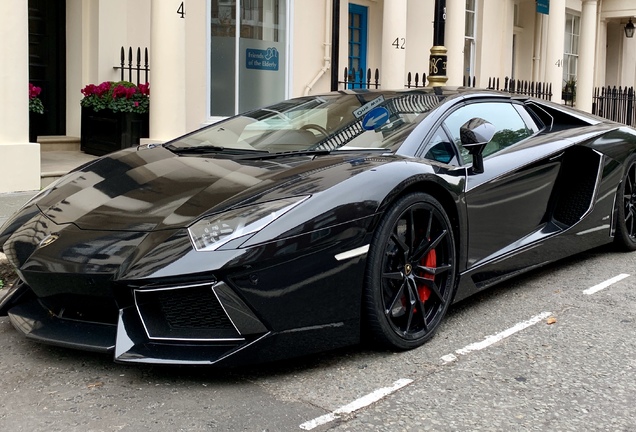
(214, 58)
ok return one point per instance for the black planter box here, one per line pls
(104, 131)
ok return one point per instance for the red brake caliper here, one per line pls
(430, 261)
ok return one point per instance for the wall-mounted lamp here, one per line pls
(629, 29)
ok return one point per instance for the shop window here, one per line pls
(248, 54)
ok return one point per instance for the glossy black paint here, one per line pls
(105, 254)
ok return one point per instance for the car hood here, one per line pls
(154, 189)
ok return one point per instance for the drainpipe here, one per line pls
(335, 43)
(327, 57)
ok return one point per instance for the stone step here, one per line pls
(58, 143)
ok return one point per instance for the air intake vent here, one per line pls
(576, 184)
(184, 313)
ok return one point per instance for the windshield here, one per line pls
(342, 121)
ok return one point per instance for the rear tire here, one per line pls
(411, 272)
(626, 201)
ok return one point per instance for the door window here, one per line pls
(509, 125)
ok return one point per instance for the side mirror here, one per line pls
(475, 134)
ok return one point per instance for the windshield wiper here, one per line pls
(268, 155)
(212, 149)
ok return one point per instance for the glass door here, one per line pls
(357, 44)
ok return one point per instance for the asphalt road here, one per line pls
(558, 359)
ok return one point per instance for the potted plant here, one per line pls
(36, 109)
(568, 93)
(114, 116)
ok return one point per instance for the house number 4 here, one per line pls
(181, 10)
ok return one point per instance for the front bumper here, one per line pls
(209, 324)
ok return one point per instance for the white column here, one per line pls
(454, 35)
(392, 72)
(587, 50)
(627, 69)
(167, 70)
(601, 54)
(20, 159)
(556, 41)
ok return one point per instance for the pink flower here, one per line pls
(34, 91)
(136, 104)
(144, 89)
(89, 90)
(103, 88)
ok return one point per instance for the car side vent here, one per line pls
(576, 185)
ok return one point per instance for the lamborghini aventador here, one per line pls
(314, 223)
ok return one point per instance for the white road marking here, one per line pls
(356, 405)
(448, 358)
(603, 285)
(489, 340)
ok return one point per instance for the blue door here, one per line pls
(357, 44)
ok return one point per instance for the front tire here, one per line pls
(411, 273)
(626, 201)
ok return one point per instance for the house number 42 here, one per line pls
(399, 43)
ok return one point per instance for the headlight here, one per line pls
(212, 232)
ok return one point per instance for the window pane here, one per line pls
(470, 24)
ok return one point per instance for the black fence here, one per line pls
(358, 79)
(136, 67)
(414, 81)
(526, 88)
(616, 104)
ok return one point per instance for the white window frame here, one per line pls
(572, 51)
(472, 39)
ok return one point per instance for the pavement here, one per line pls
(11, 203)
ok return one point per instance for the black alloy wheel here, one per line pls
(626, 201)
(411, 273)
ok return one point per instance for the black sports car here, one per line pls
(312, 223)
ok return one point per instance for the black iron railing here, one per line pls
(358, 79)
(615, 104)
(134, 66)
(527, 88)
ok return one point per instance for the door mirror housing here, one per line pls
(475, 134)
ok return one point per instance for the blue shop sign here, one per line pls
(543, 7)
(262, 59)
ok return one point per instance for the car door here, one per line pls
(508, 201)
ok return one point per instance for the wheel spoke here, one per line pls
(413, 299)
(430, 284)
(435, 270)
(426, 248)
(393, 275)
(630, 222)
(429, 225)
(399, 243)
(410, 233)
(398, 295)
